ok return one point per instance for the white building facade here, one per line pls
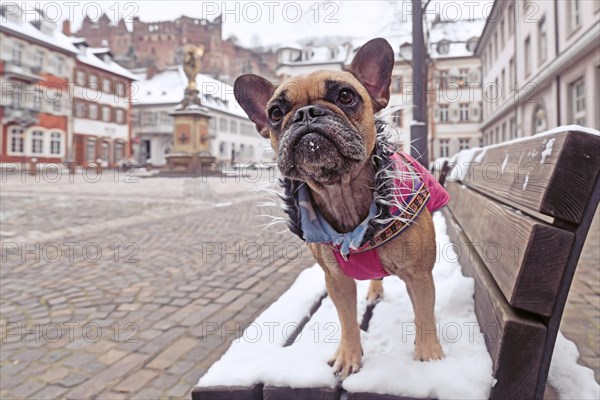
(541, 67)
(233, 137)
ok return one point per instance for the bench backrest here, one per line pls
(519, 214)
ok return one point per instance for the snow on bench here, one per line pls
(483, 331)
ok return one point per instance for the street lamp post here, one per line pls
(418, 128)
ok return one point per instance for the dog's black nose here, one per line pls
(308, 113)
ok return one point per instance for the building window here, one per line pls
(539, 119)
(118, 149)
(106, 113)
(148, 118)
(513, 128)
(106, 85)
(37, 99)
(165, 118)
(574, 15)
(503, 84)
(38, 59)
(55, 142)
(443, 78)
(397, 117)
(443, 47)
(444, 147)
(503, 137)
(223, 124)
(222, 150)
(90, 149)
(511, 73)
(527, 56)
(120, 89)
(497, 137)
(37, 142)
(17, 53)
(511, 18)
(93, 81)
(80, 79)
(120, 116)
(93, 111)
(502, 33)
(233, 126)
(80, 109)
(495, 45)
(542, 41)
(396, 84)
(464, 112)
(59, 66)
(17, 140)
(463, 74)
(463, 144)
(577, 91)
(105, 151)
(57, 105)
(444, 116)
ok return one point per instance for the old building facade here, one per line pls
(158, 44)
(453, 87)
(62, 101)
(37, 62)
(541, 67)
(233, 137)
(101, 107)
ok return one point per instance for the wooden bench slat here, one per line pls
(526, 257)
(228, 393)
(375, 396)
(515, 343)
(284, 393)
(559, 187)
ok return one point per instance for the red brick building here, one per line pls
(36, 67)
(159, 44)
(101, 107)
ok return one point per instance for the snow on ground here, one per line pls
(388, 367)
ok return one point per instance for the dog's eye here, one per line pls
(275, 114)
(346, 96)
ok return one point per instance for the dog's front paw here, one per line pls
(427, 351)
(347, 359)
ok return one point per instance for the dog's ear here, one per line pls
(372, 66)
(253, 92)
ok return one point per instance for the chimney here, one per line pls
(66, 28)
(151, 70)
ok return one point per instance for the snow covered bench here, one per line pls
(515, 227)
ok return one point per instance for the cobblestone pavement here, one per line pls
(135, 289)
(581, 320)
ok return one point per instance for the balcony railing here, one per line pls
(23, 72)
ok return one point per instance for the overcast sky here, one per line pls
(269, 22)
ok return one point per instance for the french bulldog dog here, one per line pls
(323, 130)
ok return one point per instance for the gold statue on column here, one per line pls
(192, 63)
(191, 67)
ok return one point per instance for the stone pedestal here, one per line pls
(191, 141)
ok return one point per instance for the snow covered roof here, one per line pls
(168, 87)
(456, 33)
(89, 56)
(53, 37)
(321, 55)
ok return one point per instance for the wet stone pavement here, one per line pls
(120, 290)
